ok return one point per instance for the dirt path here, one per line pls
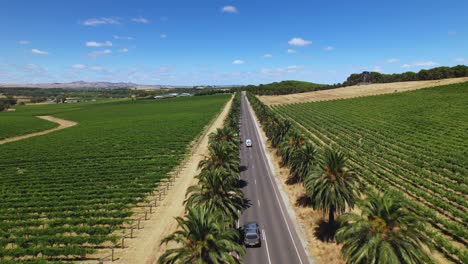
(356, 91)
(145, 247)
(62, 124)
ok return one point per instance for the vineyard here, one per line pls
(414, 142)
(65, 194)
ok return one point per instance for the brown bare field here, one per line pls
(145, 248)
(62, 124)
(356, 91)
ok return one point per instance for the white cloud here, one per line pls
(376, 69)
(78, 66)
(285, 70)
(141, 20)
(124, 50)
(229, 9)
(238, 62)
(267, 56)
(393, 60)
(452, 33)
(164, 69)
(329, 48)
(101, 21)
(293, 68)
(291, 51)
(163, 36)
(98, 44)
(462, 60)
(419, 64)
(24, 42)
(97, 53)
(123, 37)
(299, 42)
(41, 52)
(96, 68)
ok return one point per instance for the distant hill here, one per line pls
(285, 87)
(74, 85)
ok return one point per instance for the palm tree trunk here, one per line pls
(331, 216)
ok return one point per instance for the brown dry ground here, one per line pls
(145, 247)
(356, 91)
(62, 124)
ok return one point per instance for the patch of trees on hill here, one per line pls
(285, 87)
(423, 75)
(6, 103)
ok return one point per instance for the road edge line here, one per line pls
(297, 226)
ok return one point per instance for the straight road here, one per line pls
(280, 243)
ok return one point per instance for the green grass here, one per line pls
(414, 142)
(23, 120)
(84, 179)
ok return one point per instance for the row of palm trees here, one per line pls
(207, 233)
(385, 231)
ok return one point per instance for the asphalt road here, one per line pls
(280, 243)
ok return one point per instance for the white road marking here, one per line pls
(266, 245)
(276, 192)
(255, 181)
(258, 203)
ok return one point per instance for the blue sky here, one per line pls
(226, 41)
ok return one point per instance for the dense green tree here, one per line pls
(302, 162)
(221, 156)
(290, 144)
(430, 74)
(227, 135)
(332, 186)
(202, 238)
(386, 232)
(217, 191)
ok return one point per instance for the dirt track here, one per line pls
(356, 91)
(145, 247)
(62, 124)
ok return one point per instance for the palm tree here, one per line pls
(302, 162)
(217, 191)
(280, 130)
(386, 232)
(202, 239)
(331, 186)
(289, 146)
(225, 135)
(221, 156)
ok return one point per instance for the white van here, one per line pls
(248, 143)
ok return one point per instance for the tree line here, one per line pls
(284, 87)
(290, 87)
(386, 231)
(423, 75)
(207, 233)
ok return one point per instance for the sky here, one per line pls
(226, 42)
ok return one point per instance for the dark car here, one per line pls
(252, 235)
